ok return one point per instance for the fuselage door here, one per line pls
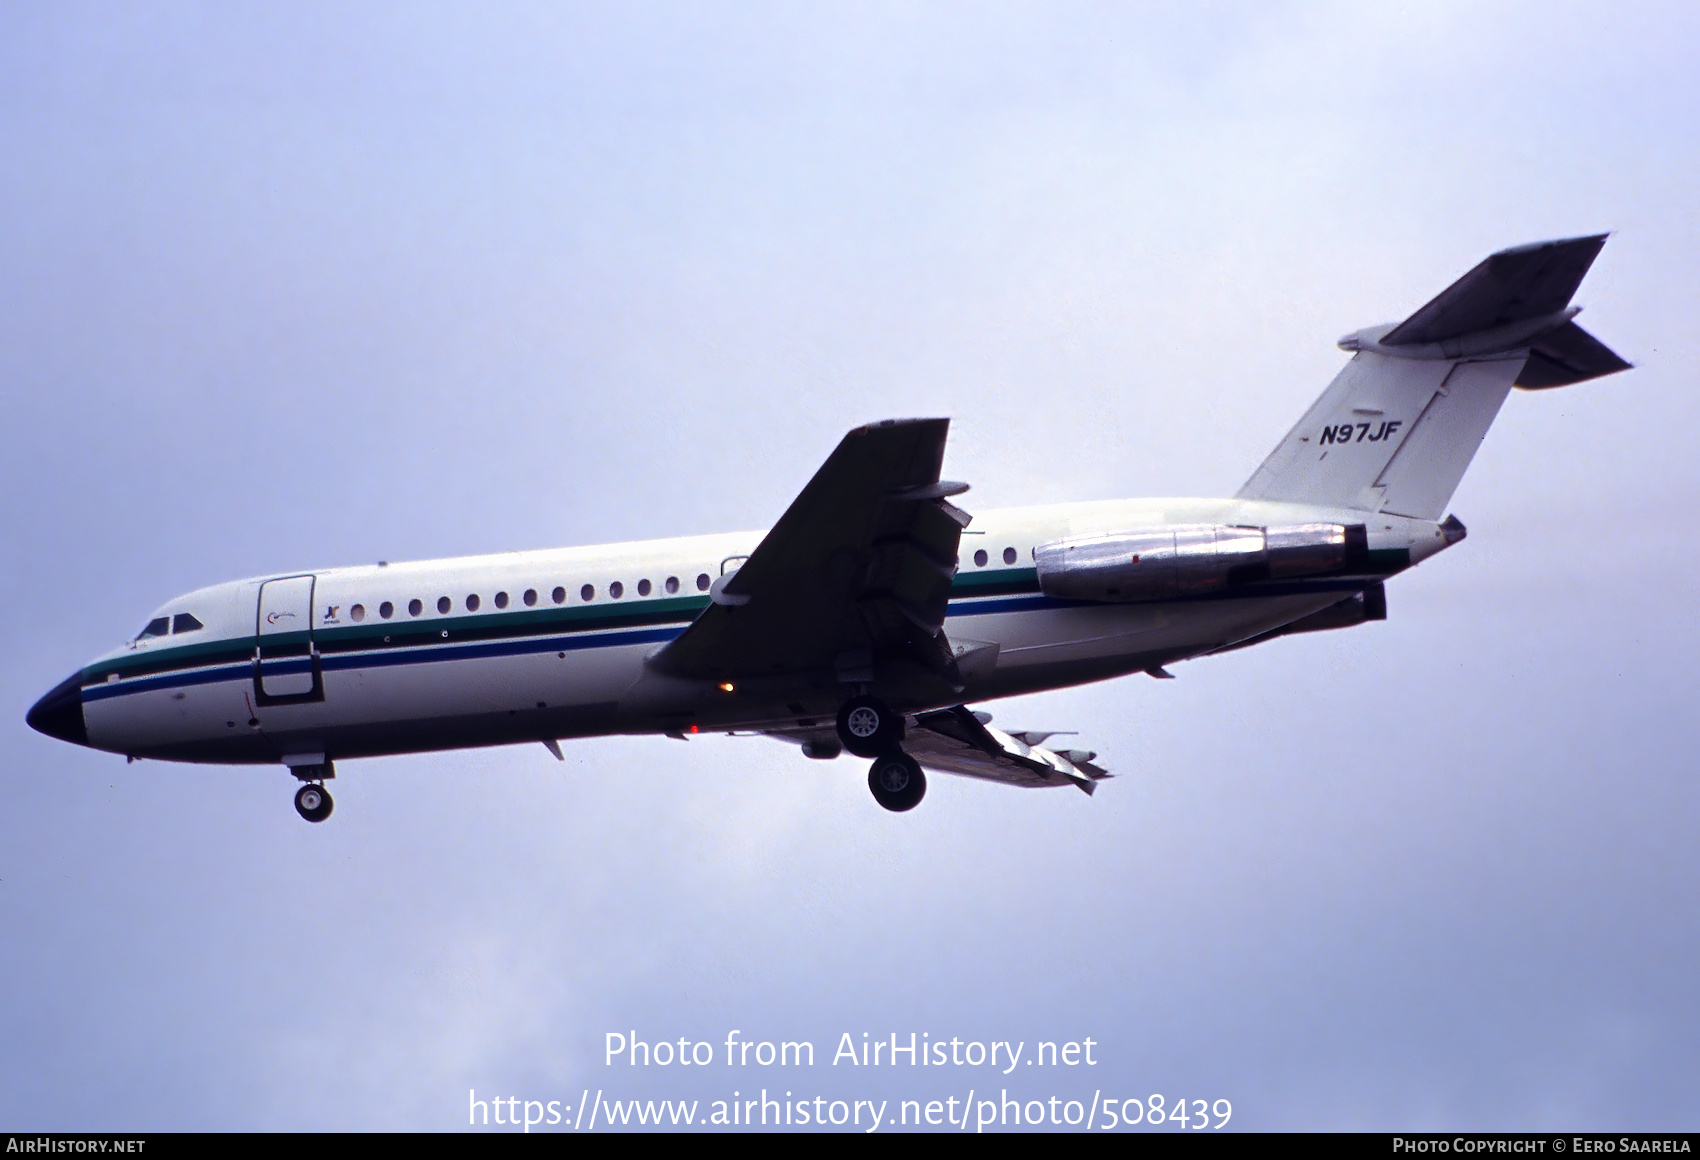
(286, 665)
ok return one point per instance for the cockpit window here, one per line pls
(183, 622)
(158, 626)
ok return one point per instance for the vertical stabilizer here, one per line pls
(1399, 424)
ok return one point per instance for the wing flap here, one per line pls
(956, 741)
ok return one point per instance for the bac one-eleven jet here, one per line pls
(872, 614)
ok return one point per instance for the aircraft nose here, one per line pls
(60, 713)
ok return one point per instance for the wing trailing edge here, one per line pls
(958, 740)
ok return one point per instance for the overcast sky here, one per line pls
(294, 286)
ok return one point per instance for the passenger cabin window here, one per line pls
(444, 604)
(559, 596)
(616, 590)
(672, 585)
(386, 610)
(980, 558)
(702, 582)
(414, 607)
(183, 622)
(643, 587)
(158, 626)
(587, 593)
(357, 613)
(530, 597)
(501, 600)
(472, 602)
(1009, 555)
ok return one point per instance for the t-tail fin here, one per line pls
(1397, 427)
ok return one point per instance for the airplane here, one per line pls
(872, 614)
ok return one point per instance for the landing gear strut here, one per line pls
(868, 727)
(897, 782)
(313, 802)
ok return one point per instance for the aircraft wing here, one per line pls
(855, 577)
(958, 740)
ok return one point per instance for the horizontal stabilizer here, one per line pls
(1521, 283)
(1568, 355)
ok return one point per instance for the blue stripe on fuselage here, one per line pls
(420, 654)
(411, 655)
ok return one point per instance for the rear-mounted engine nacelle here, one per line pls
(1190, 560)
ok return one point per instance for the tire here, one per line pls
(897, 782)
(868, 727)
(313, 802)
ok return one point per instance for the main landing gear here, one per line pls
(897, 782)
(868, 728)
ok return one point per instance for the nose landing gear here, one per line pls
(313, 802)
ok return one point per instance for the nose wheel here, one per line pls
(897, 782)
(313, 802)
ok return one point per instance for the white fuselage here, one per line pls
(528, 646)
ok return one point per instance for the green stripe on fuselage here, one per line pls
(998, 582)
(337, 638)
